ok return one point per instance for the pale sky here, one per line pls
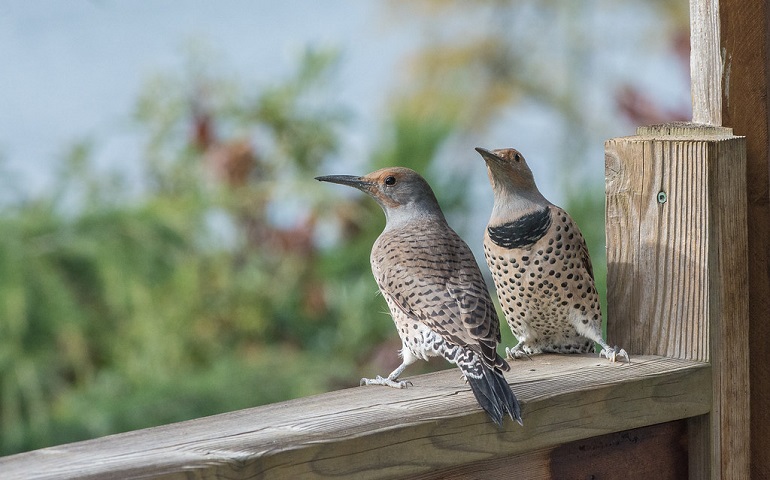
(74, 69)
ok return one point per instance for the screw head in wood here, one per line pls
(662, 197)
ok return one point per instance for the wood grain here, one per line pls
(745, 41)
(705, 62)
(677, 266)
(658, 451)
(657, 248)
(378, 432)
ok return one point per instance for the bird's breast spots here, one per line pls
(522, 232)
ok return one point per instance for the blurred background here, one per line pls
(165, 253)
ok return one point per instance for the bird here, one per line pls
(434, 289)
(540, 266)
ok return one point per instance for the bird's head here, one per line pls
(508, 172)
(507, 168)
(402, 193)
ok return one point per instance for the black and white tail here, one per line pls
(493, 392)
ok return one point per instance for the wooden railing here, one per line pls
(433, 429)
(683, 298)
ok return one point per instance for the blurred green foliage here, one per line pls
(121, 313)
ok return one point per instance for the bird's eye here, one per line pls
(389, 181)
(517, 157)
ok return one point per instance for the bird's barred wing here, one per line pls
(477, 313)
(435, 279)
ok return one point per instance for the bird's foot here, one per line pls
(515, 353)
(613, 354)
(389, 382)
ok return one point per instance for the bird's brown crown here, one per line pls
(391, 176)
(396, 186)
(510, 155)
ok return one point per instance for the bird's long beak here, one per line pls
(350, 180)
(488, 155)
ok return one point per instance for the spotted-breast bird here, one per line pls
(540, 265)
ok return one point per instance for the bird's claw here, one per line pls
(613, 354)
(515, 353)
(389, 382)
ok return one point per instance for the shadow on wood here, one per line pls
(657, 451)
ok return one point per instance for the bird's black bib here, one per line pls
(522, 232)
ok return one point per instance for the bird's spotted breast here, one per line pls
(522, 232)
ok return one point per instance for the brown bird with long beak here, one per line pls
(434, 289)
(540, 266)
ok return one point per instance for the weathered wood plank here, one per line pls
(729, 308)
(677, 264)
(705, 62)
(657, 247)
(377, 432)
(658, 451)
(745, 43)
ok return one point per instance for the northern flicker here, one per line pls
(434, 289)
(540, 266)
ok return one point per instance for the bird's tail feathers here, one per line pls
(493, 393)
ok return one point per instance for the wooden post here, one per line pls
(729, 67)
(677, 263)
(745, 45)
(705, 62)
(696, 238)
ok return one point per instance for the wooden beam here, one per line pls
(677, 265)
(705, 62)
(658, 451)
(745, 43)
(378, 432)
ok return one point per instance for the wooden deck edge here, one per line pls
(378, 432)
